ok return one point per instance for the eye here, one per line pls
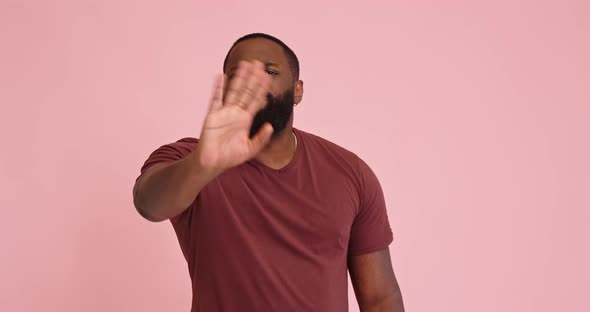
(272, 72)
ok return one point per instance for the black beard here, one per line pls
(277, 112)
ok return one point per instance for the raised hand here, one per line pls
(224, 140)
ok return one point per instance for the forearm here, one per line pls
(170, 189)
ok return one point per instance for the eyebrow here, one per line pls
(269, 63)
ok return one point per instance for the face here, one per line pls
(284, 92)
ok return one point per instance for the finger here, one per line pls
(224, 88)
(217, 94)
(251, 85)
(236, 84)
(260, 99)
(258, 95)
(260, 139)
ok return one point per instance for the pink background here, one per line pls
(475, 117)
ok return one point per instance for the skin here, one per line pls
(279, 152)
(254, 68)
(374, 282)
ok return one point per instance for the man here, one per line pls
(269, 217)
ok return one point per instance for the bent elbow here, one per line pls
(140, 207)
(148, 216)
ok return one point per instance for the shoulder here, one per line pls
(172, 151)
(181, 147)
(324, 150)
(187, 142)
(169, 152)
(344, 157)
(321, 145)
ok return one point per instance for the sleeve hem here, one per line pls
(373, 248)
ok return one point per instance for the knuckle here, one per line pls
(248, 92)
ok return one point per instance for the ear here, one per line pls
(298, 91)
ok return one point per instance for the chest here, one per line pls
(310, 212)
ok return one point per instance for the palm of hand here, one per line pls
(225, 140)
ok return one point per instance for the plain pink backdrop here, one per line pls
(474, 115)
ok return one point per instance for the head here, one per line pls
(282, 65)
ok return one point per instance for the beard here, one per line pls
(277, 112)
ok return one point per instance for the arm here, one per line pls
(374, 282)
(167, 189)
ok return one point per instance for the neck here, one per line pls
(279, 151)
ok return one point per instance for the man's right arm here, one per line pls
(165, 190)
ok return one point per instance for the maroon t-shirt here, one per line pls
(261, 239)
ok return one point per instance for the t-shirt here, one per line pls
(262, 239)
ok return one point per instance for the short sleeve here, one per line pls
(370, 229)
(166, 154)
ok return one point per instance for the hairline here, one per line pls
(293, 64)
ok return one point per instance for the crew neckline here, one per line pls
(291, 163)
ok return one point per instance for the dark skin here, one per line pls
(374, 282)
(279, 152)
(166, 189)
(372, 275)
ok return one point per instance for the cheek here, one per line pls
(275, 87)
(278, 87)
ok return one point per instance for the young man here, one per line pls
(270, 217)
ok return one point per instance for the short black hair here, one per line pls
(291, 57)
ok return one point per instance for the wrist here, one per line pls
(201, 167)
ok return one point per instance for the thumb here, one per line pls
(260, 139)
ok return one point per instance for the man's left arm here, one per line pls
(374, 282)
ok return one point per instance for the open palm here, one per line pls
(224, 140)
